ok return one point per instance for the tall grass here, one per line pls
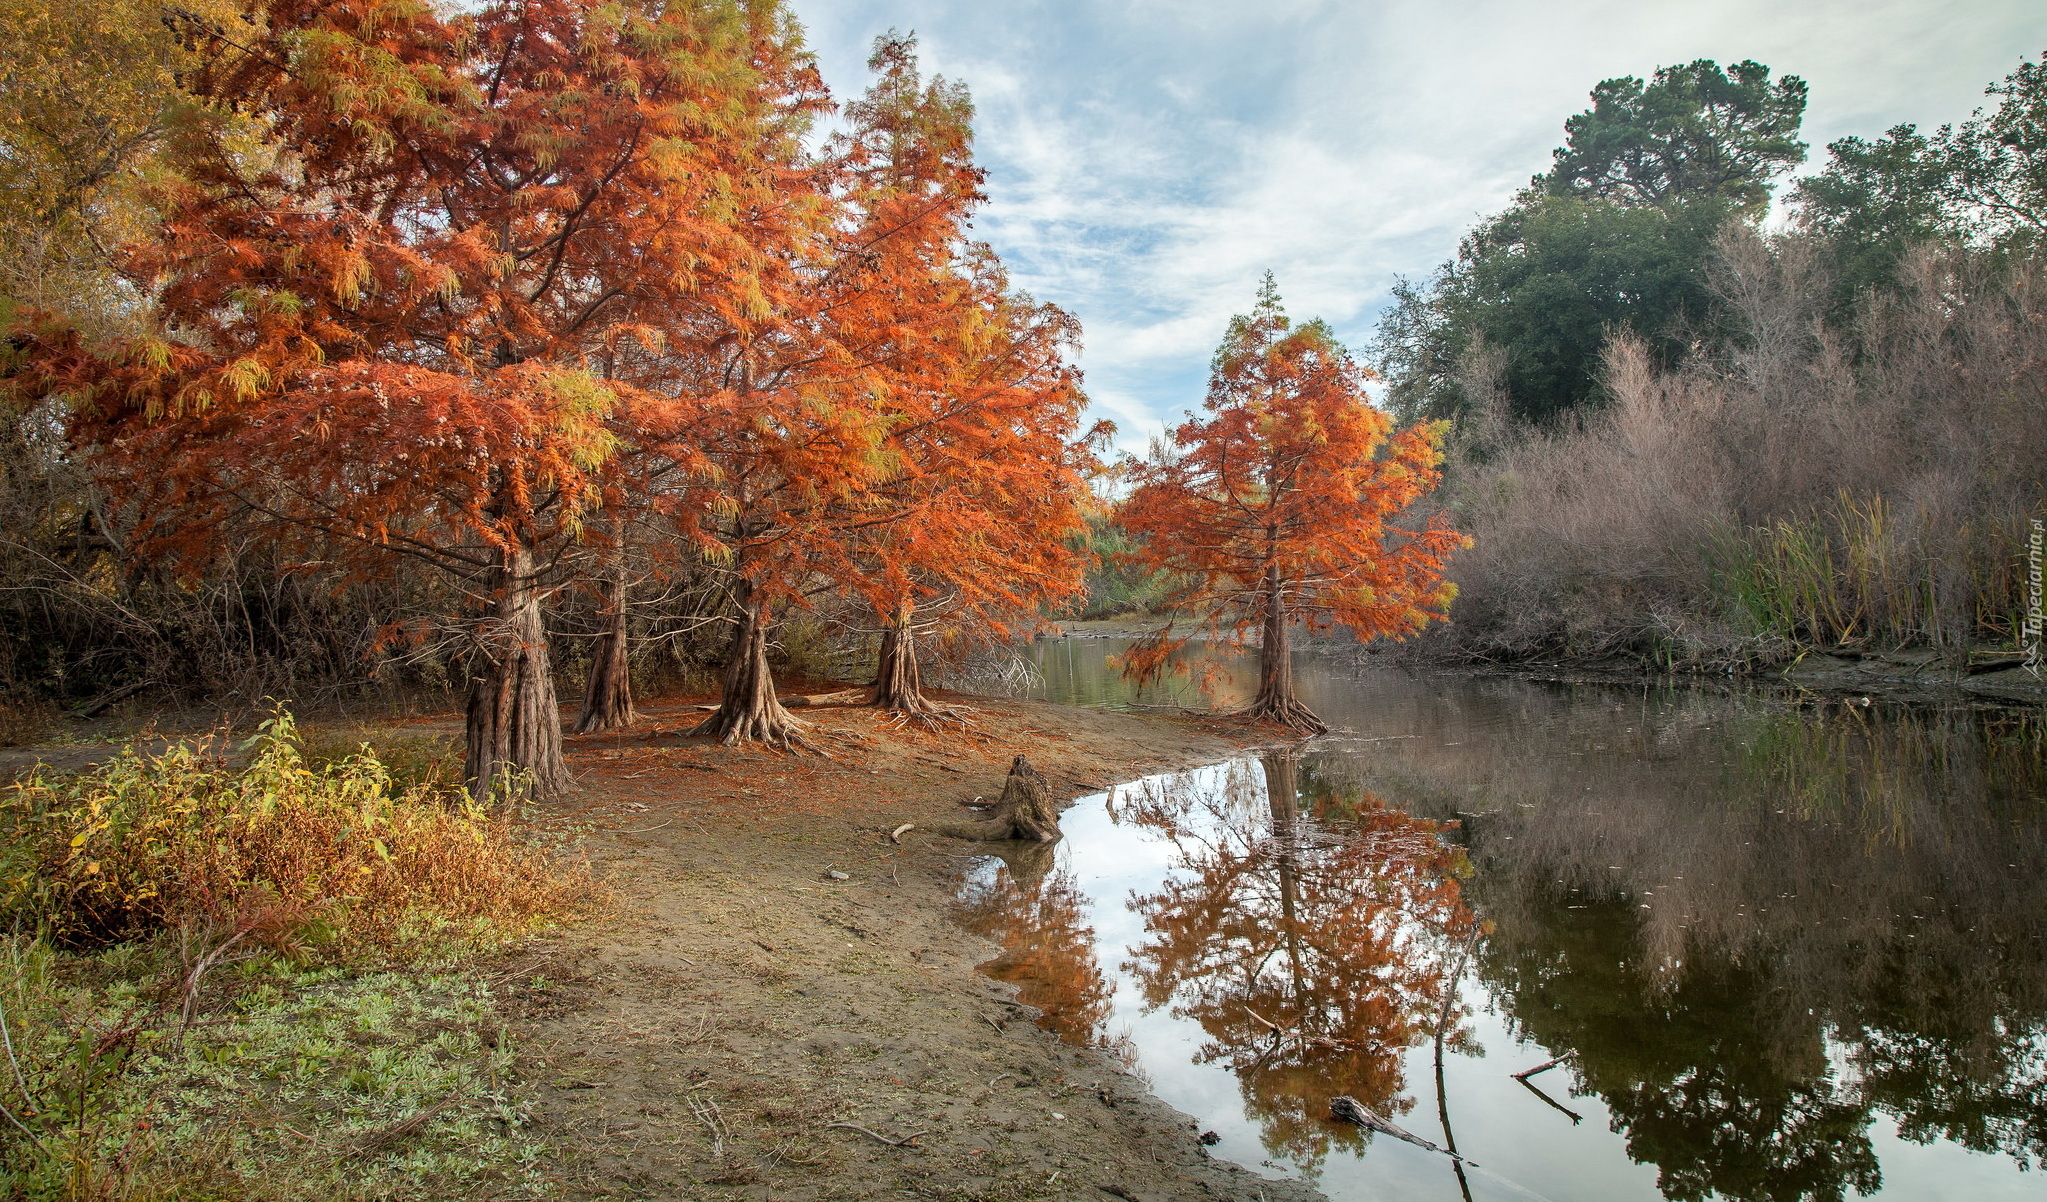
(1794, 487)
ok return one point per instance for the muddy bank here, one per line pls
(1914, 675)
(742, 999)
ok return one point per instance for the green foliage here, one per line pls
(1875, 202)
(1116, 586)
(1545, 285)
(1549, 282)
(1695, 132)
(1999, 160)
(1983, 182)
(1615, 239)
(308, 1084)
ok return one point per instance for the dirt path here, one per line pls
(700, 1041)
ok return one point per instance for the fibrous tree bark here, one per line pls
(748, 709)
(1276, 700)
(608, 699)
(899, 681)
(514, 735)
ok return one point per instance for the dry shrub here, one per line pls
(1793, 487)
(358, 871)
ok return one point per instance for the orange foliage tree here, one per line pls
(987, 472)
(403, 327)
(893, 422)
(1285, 503)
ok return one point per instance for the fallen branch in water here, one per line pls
(1573, 1115)
(1544, 1067)
(1347, 1109)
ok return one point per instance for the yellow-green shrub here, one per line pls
(142, 844)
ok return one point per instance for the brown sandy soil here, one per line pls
(700, 1040)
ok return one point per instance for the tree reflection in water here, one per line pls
(1770, 932)
(1309, 937)
(1848, 923)
(1035, 911)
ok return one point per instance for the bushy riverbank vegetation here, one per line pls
(1695, 438)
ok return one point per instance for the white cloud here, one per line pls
(1149, 158)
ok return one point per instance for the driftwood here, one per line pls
(1024, 811)
(802, 700)
(100, 705)
(1347, 1109)
(908, 1141)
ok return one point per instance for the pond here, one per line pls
(1785, 948)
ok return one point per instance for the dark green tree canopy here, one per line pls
(1983, 182)
(1616, 237)
(1876, 200)
(1694, 131)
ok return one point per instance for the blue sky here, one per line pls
(1149, 159)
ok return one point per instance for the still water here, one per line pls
(1789, 949)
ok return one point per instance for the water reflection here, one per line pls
(1843, 923)
(1797, 949)
(1306, 936)
(1033, 909)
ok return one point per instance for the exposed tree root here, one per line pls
(1288, 712)
(748, 711)
(899, 685)
(1024, 811)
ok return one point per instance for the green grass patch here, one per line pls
(247, 983)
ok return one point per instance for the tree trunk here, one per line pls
(1275, 701)
(514, 723)
(608, 701)
(1283, 798)
(898, 681)
(748, 710)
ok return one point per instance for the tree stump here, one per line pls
(1024, 811)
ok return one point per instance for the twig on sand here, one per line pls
(904, 1142)
(378, 1140)
(706, 1110)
